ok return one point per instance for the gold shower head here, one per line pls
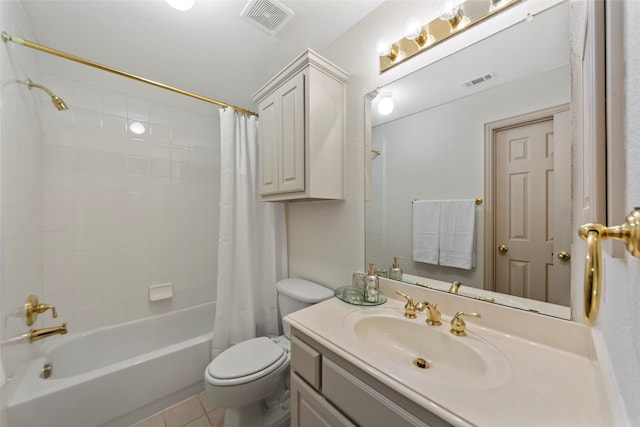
(57, 101)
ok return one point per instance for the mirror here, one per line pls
(439, 144)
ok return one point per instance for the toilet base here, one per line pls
(257, 415)
(279, 415)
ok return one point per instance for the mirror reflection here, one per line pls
(491, 122)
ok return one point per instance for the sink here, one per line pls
(396, 343)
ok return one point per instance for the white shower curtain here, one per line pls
(252, 252)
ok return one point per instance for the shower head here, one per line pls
(57, 101)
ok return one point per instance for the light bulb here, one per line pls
(385, 104)
(413, 30)
(387, 49)
(182, 5)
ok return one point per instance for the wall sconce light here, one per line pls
(453, 18)
(385, 103)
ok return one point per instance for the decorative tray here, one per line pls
(352, 295)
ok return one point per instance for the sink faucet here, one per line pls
(38, 334)
(458, 327)
(453, 289)
(433, 315)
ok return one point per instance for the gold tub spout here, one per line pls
(38, 334)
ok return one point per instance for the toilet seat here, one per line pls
(246, 362)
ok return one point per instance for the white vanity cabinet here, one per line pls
(302, 131)
(326, 390)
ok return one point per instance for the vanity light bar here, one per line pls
(451, 22)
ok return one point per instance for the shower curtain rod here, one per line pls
(6, 37)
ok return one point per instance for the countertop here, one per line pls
(553, 376)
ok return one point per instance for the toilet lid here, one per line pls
(248, 358)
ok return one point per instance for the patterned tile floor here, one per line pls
(197, 411)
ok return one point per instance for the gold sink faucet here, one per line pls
(39, 334)
(453, 289)
(433, 315)
(458, 326)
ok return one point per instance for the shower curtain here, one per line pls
(252, 252)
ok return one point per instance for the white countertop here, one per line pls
(554, 379)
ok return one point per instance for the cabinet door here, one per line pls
(292, 132)
(269, 146)
(310, 409)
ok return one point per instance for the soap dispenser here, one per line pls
(395, 272)
(372, 285)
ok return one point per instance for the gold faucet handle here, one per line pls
(409, 307)
(44, 307)
(458, 326)
(32, 309)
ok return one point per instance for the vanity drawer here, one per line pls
(365, 405)
(310, 409)
(305, 361)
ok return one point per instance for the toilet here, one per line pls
(251, 379)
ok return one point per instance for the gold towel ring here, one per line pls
(629, 233)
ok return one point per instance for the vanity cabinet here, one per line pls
(327, 390)
(302, 131)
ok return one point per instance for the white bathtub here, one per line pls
(117, 375)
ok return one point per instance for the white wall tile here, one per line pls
(113, 212)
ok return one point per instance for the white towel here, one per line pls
(457, 233)
(426, 231)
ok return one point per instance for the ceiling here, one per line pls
(209, 50)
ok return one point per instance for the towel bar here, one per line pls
(629, 233)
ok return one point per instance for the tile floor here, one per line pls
(197, 411)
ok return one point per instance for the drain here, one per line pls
(421, 363)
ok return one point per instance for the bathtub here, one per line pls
(117, 375)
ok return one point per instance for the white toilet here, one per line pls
(250, 379)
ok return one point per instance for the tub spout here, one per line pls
(38, 334)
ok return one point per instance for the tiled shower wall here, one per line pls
(123, 211)
(92, 214)
(20, 184)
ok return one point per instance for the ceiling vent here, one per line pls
(268, 15)
(483, 78)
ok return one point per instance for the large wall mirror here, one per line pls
(460, 130)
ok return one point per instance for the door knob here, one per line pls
(564, 256)
(503, 249)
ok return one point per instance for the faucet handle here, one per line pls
(32, 309)
(458, 326)
(409, 307)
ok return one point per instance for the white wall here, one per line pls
(618, 317)
(438, 154)
(91, 213)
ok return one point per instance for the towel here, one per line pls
(458, 233)
(426, 231)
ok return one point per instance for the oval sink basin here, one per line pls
(396, 342)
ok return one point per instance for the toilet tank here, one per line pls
(295, 294)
